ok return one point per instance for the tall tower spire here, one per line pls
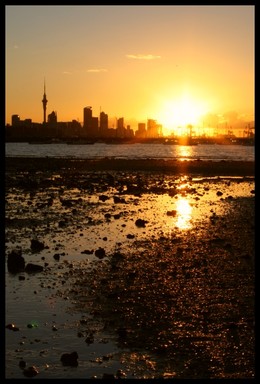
(44, 103)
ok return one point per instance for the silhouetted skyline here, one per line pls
(99, 127)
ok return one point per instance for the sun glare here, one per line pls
(184, 210)
(181, 112)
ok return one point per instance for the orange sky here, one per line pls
(174, 64)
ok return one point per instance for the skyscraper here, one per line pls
(87, 118)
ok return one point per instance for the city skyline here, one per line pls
(103, 125)
(174, 64)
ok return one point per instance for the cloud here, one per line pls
(96, 70)
(143, 57)
(91, 70)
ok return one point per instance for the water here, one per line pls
(213, 152)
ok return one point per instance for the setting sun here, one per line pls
(181, 112)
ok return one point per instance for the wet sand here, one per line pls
(147, 294)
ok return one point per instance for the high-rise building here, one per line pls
(141, 131)
(120, 130)
(90, 123)
(103, 117)
(87, 118)
(153, 129)
(15, 120)
(52, 119)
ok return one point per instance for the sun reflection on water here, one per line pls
(184, 152)
(183, 213)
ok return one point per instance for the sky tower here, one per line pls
(44, 103)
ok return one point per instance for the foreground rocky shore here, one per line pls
(179, 303)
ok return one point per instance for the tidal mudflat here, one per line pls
(129, 272)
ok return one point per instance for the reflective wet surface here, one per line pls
(132, 252)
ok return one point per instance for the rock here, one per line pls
(103, 197)
(90, 339)
(36, 245)
(62, 223)
(70, 359)
(66, 203)
(87, 251)
(22, 364)
(15, 261)
(12, 327)
(32, 325)
(118, 200)
(30, 371)
(56, 257)
(100, 253)
(171, 213)
(120, 374)
(140, 223)
(31, 268)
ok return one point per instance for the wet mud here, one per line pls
(145, 274)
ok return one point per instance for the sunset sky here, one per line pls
(174, 64)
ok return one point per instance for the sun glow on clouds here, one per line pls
(90, 70)
(143, 57)
(96, 70)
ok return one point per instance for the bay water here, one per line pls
(213, 152)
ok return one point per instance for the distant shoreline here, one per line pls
(247, 141)
(194, 167)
